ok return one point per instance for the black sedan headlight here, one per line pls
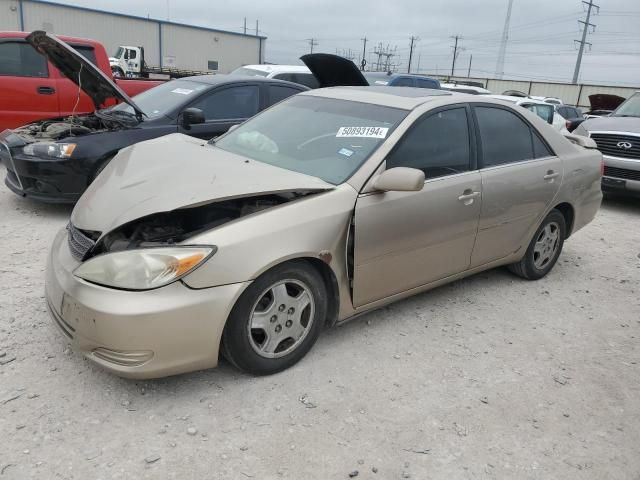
(49, 149)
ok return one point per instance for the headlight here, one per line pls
(49, 149)
(143, 269)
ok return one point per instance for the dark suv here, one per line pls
(400, 80)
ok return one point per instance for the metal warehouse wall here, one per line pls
(569, 93)
(165, 43)
(9, 15)
(111, 30)
(196, 48)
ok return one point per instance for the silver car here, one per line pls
(330, 204)
(618, 138)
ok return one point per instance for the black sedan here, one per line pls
(55, 160)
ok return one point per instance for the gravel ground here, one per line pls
(489, 377)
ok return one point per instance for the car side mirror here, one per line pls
(192, 116)
(399, 179)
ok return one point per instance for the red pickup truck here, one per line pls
(31, 88)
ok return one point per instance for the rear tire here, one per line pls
(276, 321)
(117, 72)
(544, 249)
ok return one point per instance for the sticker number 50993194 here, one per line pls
(367, 132)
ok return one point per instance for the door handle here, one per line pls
(468, 196)
(46, 90)
(551, 175)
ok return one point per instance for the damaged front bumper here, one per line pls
(47, 180)
(143, 334)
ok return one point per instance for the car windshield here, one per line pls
(326, 138)
(119, 52)
(250, 71)
(630, 108)
(164, 98)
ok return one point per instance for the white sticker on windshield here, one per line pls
(182, 91)
(366, 132)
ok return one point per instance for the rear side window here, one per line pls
(230, 103)
(505, 137)
(306, 79)
(19, 59)
(540, 149)
(426, 83)
(87, 52)
(402, 82)
(278, 93)
(438, 144)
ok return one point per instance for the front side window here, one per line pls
(322, 137)
(20, 59)
(505, 137)
(437, 144)
(230, 103)
(424, 83)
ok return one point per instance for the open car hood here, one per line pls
(177, 171)
(604, 101)
(334, 71)
(79, 70)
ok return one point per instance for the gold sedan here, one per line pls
(332, 203)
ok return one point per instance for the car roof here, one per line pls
(405, 98)
(221, 78)
(394, 75)
(278, 68)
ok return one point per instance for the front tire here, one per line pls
(544, 249)
(276, 321)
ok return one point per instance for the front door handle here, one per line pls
(46, 90)
(468, 196)
(551, 175)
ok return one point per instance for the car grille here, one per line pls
(622, 173)
(608, 145)
(79, 242)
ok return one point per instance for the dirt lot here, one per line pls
(490, 377)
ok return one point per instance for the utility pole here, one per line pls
(469, 71)
(590, 6)
(455, 53)
(503, 44)
(312, 43)
(256, 28)
(413, 39)
(419, 55)
(245, 25)
(363, 63)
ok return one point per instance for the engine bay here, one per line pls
(168, 228)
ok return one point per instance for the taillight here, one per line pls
(602, 167)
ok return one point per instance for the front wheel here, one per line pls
(544, 249)
(276, 320)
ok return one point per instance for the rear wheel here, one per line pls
(117, 72)
(276, 320)
(544, 249)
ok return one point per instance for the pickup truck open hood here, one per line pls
(334, 71)
(604, 101)
(177, 171)
(79, 70)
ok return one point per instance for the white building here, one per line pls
(165, 43)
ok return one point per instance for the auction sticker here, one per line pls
(362, 132)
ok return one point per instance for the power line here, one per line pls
(584, 42)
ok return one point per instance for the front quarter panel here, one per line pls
(315, 227)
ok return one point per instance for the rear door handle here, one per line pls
(46, 90)
(468, 196)
(551, 175)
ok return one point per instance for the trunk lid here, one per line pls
(177, 171)
(334, 71)
(93, 81)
